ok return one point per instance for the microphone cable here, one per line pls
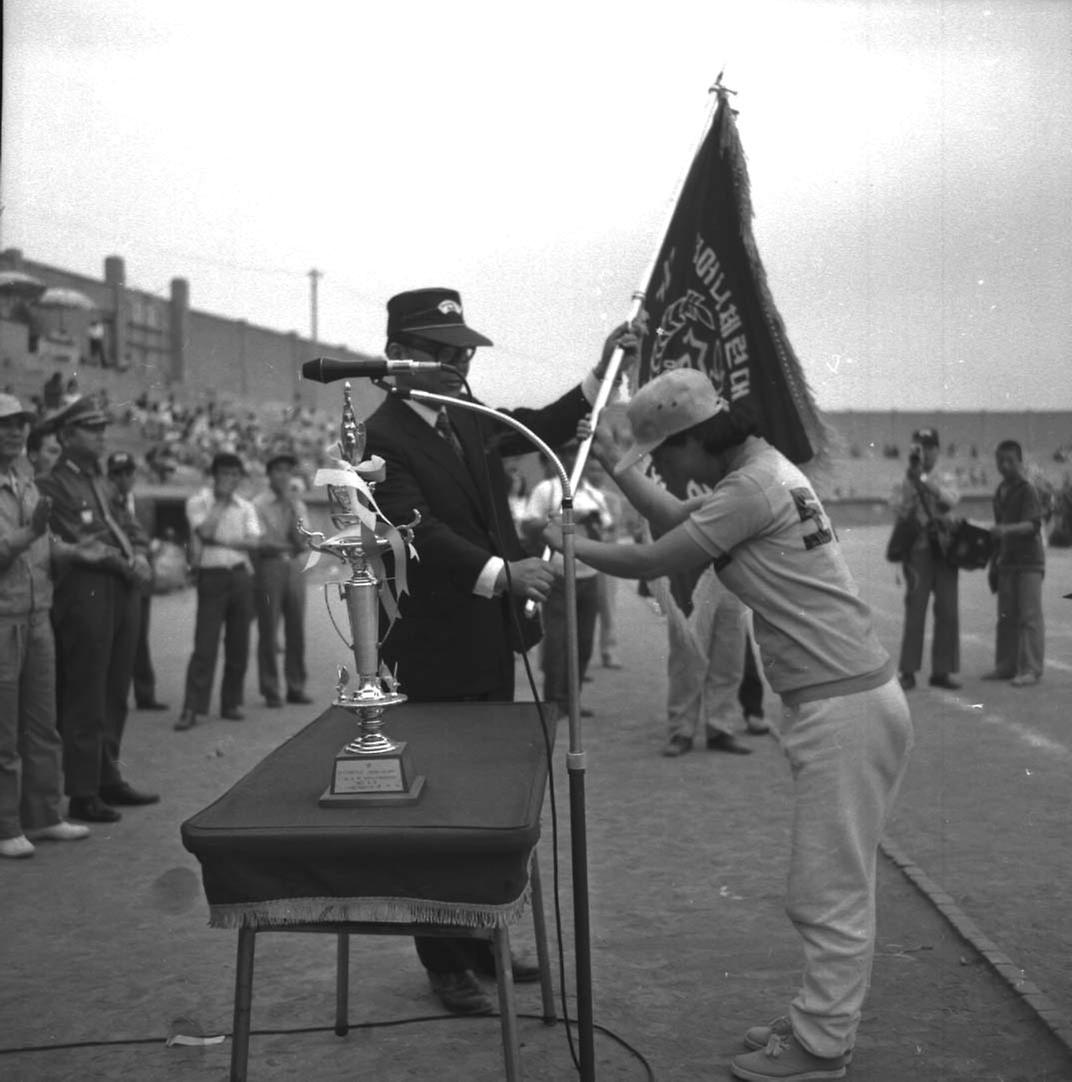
(497, 531)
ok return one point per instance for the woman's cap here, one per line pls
(670, 403)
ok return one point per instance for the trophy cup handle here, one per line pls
(315, 537)
(407, 530)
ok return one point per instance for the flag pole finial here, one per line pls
(718, 88)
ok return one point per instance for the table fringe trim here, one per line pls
(283, 911)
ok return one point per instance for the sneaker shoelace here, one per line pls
(776, 1045)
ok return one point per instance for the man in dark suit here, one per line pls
(457, 632)
(122, 472)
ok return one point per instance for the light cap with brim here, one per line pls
(10, 406)
(669, 404)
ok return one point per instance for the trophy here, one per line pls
(372, 769)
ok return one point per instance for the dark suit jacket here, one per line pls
(448, 642)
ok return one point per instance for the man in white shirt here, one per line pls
(281, 584)
(224, 531)
(593, 518)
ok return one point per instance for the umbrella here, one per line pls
(58, 297)
(20, 286)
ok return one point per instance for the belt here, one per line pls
(223, 570)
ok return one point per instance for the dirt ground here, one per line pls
(108, 941)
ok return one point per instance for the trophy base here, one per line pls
(369, 781)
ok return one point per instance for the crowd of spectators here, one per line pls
(180, 440)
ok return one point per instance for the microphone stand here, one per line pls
(576, 759)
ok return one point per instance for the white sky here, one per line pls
(911, 167)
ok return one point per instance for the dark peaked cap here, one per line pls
(432, 314)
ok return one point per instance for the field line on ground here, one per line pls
(1007, 970)
(1023, 733)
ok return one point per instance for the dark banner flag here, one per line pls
(708, 307)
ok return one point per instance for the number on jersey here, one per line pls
(810, 510)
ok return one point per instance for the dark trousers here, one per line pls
(280, 595)
(750, 693)
(443, 955)
(224, 601)
(925, 574)
(144, 676)
(1021, 631)
(95, 616)
(555, 681)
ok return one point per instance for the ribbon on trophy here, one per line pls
(372, 522)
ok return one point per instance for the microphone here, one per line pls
(328, 369)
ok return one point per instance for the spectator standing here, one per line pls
(224, 532)
(43, 450)
(703, 684)
(929, 498)
(122, 472)
(95, 616)
(592, 516)
(30, 747)
(280, 583)
(95, 335)
(1016, 572)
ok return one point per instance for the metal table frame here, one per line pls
(499, 937)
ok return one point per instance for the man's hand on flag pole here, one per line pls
(627, 337)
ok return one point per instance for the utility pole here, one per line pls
(314, 280)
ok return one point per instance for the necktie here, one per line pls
(109, 519)
(446, 431)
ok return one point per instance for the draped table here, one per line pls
(459, 862)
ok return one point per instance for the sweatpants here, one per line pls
(848, 756)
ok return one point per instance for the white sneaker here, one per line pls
(60, 832)
(16, 847)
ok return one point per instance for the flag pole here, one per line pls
(576, 765)
(719, 93)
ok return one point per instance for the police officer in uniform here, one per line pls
(95, 616)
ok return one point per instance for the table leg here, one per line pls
(539, 918)
(243, 1003)
(504, 975)
(342, 985)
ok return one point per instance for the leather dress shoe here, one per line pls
(726, 742)
(944, 680)
(187, 720)
(91, 809)
(273, 702)
(460, 993)
(234, 714)
(151, 704)
(123, 793)
(522, 969)
(299, 698)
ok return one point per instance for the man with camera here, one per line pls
(929, 498)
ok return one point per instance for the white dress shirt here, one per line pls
(238, 522)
